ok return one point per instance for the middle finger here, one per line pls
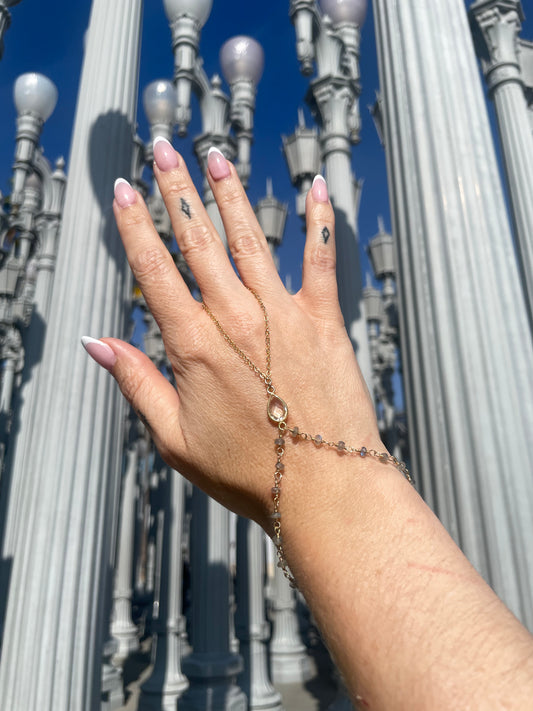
(195, 234)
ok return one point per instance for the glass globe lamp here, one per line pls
(242, 58)
(345, 10)
(159, 101)
(198, 9)
(35, 94)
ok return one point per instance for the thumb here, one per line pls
(153, 398)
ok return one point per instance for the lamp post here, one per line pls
(466, 343)
(35, 98)
(330, 41)
(382, 319)
(495, 25)
(62, 558)
(5, 20)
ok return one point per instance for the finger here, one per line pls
(163, 287)
(153, 398)
(319, 280)
(246, 241)
(195, 234)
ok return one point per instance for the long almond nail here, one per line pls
(217, 165)
(319, 189)
(165, 156)
(125, 195)
(100, 352)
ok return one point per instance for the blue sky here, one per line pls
(48, 37)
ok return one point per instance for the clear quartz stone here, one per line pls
(277, 409)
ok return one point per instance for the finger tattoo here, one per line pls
(325, 235)
(186, 208)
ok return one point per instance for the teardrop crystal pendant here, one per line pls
(277, 409)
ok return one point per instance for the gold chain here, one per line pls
(278, 413)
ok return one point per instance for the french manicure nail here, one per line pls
(125, 195)
(99, 351)
(217, 165)
(319, 189)
(165, 156)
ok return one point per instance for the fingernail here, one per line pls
(125, 195)
(99, 351)
(217, 165)
(319, 189)
(165, 156)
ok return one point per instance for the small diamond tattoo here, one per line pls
(325, 235)
(185, 208)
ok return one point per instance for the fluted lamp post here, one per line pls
(35, 98)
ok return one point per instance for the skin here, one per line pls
(409, 622)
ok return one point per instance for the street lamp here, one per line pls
(242, 60)
(302, 153)
(272, 215)
(35, 98)
(159, 102)
(186, 18)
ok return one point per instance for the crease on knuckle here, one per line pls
(195, 238)
(133, 218)
(175, 191)
(323, 258)
(246, 243)
(149, 263)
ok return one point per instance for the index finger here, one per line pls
(163, 287)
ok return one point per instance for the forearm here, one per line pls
(408, 620)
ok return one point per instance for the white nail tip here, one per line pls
(88, 340)
(118, 181)
(214, 149)
(319, 177)
(160, 139)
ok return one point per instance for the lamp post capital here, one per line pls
(495, 28)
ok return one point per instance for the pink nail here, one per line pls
(125, 195)
(217, 165)
(319, 189)
(165, 156)
(100, 352)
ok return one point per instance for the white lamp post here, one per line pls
(35, 98)
(242, 61)
(186, 18)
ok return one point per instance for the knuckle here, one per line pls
(195, 238)
(149, 263)
(174, 191)
(132, 218)
(245, 243)
(323, 258)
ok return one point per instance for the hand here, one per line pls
(213, 426)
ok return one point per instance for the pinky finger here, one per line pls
(319, 280)
(153, 398)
